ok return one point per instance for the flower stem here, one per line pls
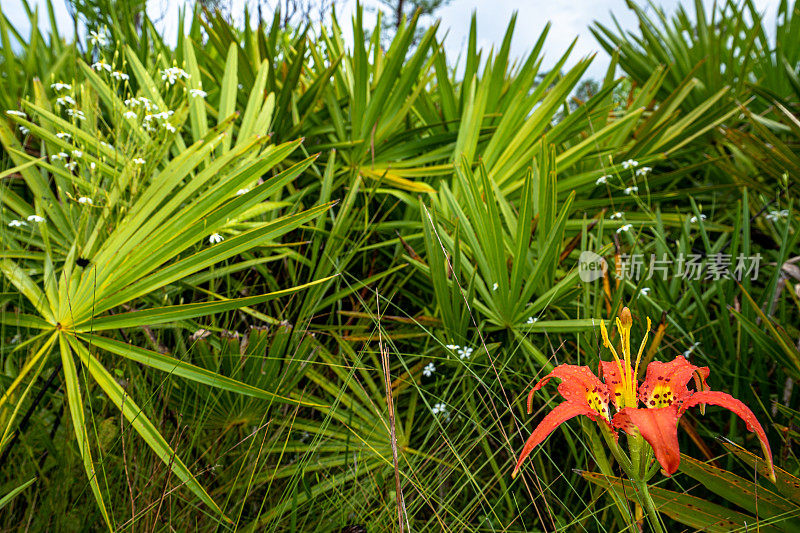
(649, 506)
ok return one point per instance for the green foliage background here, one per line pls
(223, 316)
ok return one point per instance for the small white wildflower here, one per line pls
(464, 353)
(58, 86)
(16, 113)
(216, 238)
(63, 135)
(429, 369)
(77, 113)
(440, 409)
(117, 75)
(65, 101)
(85, 200)
(139, 161)
(173, 74)
(240, 86)
(242, 191)
(101, 65)
(617, 215)
(24, 130)
(35, 218)
(532, 320)
(631, 190)
(626, 227)
(169, 127)
(16, 338)
(77, 153)
(495, 286)
(691, 349)
(17, 223)
(131, 102)
(602, 179)
(147, 104)
(92, 165)
(644, 291)
(644, 171)
(71, 165)
(452, 347)
(694, 219)
(98, 38)
(197, 93)
(129, 114)
(630, 163)
(775, 215)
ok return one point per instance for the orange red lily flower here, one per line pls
(664, 397)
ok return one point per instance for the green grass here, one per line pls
(376, 210)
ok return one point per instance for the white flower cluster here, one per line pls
(77, 113)
(121, 76)
(17, 223)
(215, 238)
(61, 86)
(101, 65)
(630, 163)
(616, 216)
(65, 100)
(626, 227)
(602, 179)
(99, 37)
(197, 93)
(440, 409)
(163, 115)
(429, 369)
(630, 190)
(141, 101)
(775, 215)
(532, 320)
(694, 219)
(85, 200)
(464, 352)
(173, 74)
(644, 171)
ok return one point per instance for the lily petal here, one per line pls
(732, 404)
(549, 423)
(665, 383)
(659, 427)
(576, 383)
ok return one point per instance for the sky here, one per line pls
(569, 19)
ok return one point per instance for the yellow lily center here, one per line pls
(661, 396)
(597, 403)
(627, 368)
